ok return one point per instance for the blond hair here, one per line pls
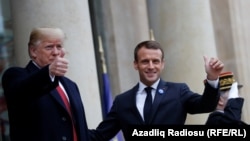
(40, 34)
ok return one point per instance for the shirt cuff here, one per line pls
(213, 83)
(52, 78)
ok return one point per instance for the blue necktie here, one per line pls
(147, 105)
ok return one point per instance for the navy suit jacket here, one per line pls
(170, 107)
(231, 115)
(36, 111)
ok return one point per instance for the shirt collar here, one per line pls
(143, 86)
(35, 64)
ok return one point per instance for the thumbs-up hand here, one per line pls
(213, 67)
(59, 66)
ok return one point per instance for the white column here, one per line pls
(241, 34)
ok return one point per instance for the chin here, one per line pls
(151, 80)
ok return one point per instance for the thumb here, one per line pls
(205, 58)
(62, 53)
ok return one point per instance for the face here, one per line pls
(149, 65)
(47, 50)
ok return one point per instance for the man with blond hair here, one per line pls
(43, 104)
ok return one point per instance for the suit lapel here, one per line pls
(74, 98)
(133, 103)
(57, 97)
(69, 92)
(159, 95)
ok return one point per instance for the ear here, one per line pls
(135, 65)
(163, 64)
(32, 51)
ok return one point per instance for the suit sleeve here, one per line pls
(108, 128)
(201, 103)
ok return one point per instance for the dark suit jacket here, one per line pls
(36, 111)
(231, 115)
(169, 108)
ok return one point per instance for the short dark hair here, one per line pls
(149, 44)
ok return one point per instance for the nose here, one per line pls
(62, 52)
(150, 64)
(55, 50)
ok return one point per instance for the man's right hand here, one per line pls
(58, 67)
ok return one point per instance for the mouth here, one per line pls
(150, 74)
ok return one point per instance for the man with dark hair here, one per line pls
(153, 101)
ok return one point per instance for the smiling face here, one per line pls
(45, 45)
(149, 64)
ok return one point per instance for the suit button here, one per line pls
(64, 138)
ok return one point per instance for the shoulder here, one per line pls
(13, 70)
(12, 74)
(175, 85)
(67, 82)
(163, 82)
(128, 93)
(65, 79)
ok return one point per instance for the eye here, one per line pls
(59, 47)
(144, 62)
(156, 61)
(49, 47)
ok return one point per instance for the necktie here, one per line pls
(67, 105)
(147, 105)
